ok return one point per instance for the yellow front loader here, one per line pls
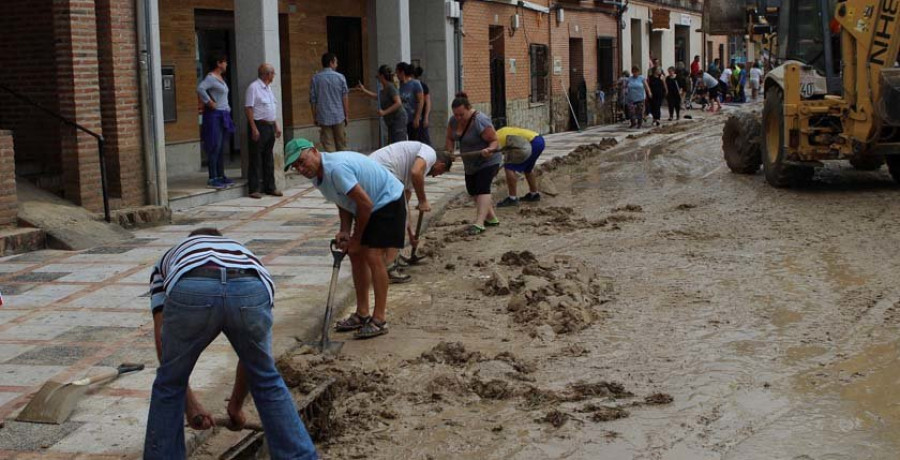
(836, 95)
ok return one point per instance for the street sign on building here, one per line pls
(661, 18)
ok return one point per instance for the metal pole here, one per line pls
(100, 144)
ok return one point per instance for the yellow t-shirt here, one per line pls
(510, 131)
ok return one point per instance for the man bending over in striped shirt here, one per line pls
(205, 285)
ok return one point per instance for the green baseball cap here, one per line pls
(293, 149)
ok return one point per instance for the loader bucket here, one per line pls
(725, 17)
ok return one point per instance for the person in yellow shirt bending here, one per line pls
(537, 146)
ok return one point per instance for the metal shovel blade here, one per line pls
(56, 400)
(329, 348)
(53, 403)
(324, 345)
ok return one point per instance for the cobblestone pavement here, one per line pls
(67, 313)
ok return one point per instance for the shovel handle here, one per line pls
(336, 253)
(226, 422)
(111, 374)
(126, 368)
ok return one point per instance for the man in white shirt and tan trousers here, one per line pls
(259, 105)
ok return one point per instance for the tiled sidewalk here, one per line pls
(66, 313)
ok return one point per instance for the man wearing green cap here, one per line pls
(367, 193)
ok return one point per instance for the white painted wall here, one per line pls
(431, 35)
(667, 58)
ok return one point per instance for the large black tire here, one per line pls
(778, 173)
(740, 142)
(867, 163)
(893, 162)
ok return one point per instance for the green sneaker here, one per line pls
(492, 223)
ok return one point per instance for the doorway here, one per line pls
(637, 44)
(497, 47)
(656, 48)
(606, 71)
(215, 38)
(577, 85)
(683, 44)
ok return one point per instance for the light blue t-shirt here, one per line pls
(636, 90)
(344, 170)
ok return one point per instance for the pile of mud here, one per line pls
(558, 219)
(548, 297)
(578, 155)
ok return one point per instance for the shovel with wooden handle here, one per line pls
(413, 258)
(55, 401)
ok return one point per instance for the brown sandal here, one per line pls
(371, 329)
(352, 323)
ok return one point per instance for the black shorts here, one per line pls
(387, 226)
(479, 183)
(714, 91)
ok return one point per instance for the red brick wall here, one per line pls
(8, 203)
(120, 100)
(27, 65)
(477, 19)
(590, 25)
(78, 87)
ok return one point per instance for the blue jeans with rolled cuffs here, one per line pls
(195, 312)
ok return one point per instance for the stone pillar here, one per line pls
(392, 31)
(75, 30)
(256, 38)
(8, 198)
(433, 45)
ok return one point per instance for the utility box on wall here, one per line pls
(170, 109)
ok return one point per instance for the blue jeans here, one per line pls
(195, 312)
(217, 129)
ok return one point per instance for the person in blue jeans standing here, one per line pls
(203, 286)
(217, 124)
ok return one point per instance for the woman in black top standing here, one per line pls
(673, 97)
(658, 91)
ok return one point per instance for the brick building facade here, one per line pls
(518, 61)
(75, 58)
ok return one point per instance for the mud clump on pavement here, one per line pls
(555, 219)
(629, 208)
(497, 284)
(493, 389)
(658, 399)
(604, 413)
(555, 417)
(555, 294)
(581, 153)
(582, 390)
(518, 258)
(450, 353)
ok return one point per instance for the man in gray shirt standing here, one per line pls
(328, 99)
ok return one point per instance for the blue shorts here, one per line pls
(537, 147)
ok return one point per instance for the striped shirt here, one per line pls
(197, 251)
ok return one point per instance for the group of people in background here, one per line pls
(640, 96)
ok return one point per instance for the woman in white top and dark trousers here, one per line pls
(217, 124)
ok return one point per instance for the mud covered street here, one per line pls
(658, 307)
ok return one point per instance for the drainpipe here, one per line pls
(457, 31)
(155, 189)
(550, 76)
